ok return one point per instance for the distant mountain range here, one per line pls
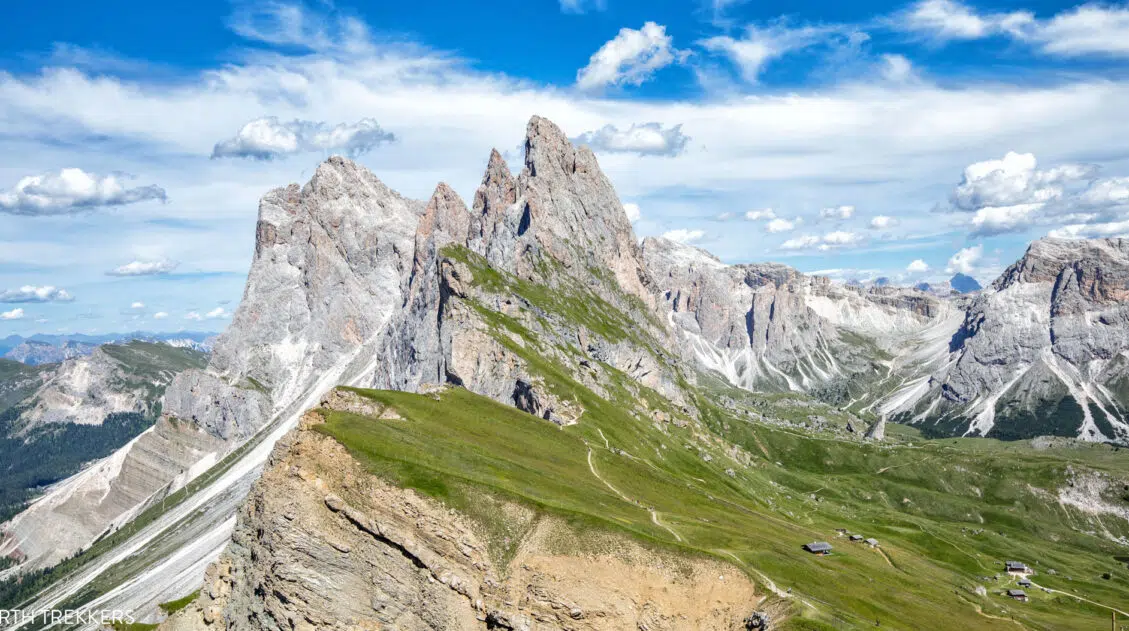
(50, 349)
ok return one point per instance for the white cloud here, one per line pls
(965, 260)
(268, 138)
(14, 314)
(31, 293)
(1107, 192)
(581, 6)
(763, 213)
(897, 69)
(780, 225)
(1090, 29)
(647, 139)
(759, 46)
(830, 241)
(682, 235)
(633, 212)
(917, 266)
(837, 212)
(948, 19)
(1013, 194)
(143, 268)
(72, 190)
(137, 305)
(629, 59)
(1092, 231)
(1014, 180)
(725, 216)
(800, 243)
(882, 222)
(160, 315)
(214, 314)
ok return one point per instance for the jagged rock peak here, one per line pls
(570, 211)
(1045, 259)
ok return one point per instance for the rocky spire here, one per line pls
(566, 209)
(495, 218)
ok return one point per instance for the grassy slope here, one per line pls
(947, 512)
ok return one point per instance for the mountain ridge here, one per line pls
(537, 297)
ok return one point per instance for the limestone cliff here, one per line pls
(321, 543)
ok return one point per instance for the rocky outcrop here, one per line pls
(322, 543)
(112, 379)
(768, 326)
(332, 264)
(1045, 350)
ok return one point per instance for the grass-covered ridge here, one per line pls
(947, 513)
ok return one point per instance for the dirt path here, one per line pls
(1056, 591)
(624, 497)
(885, 556)
(655, 518)
(607, 445)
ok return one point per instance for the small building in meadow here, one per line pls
(856, 537)
(872, 542)
(1017, 594)
(821, 548)
(1015, 567)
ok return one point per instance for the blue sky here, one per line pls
(901, 139)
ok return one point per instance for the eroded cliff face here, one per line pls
(1044, 351)
(768, 326)
(321, 543)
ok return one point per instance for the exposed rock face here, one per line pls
(1045, 350)
(86, 389)
(570, 211)
(768, 326)
(321, 543)
(34, 353)
(332, 264)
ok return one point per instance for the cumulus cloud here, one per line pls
(144, 268)
(647, 139)
(965, 260)
(752, 52)
(917, 266)
(1014, 180)
(830, 241)
(1013, 194)
(837, 212)
(137, 305)
(160, 315)
(269, 138)
(630, 58)
(31, 293)
(763, 213)
(633, 212)
(14, 314)
(72, 190)
(882, 222)
(780, 225)
(683, 235)
(725, 216)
